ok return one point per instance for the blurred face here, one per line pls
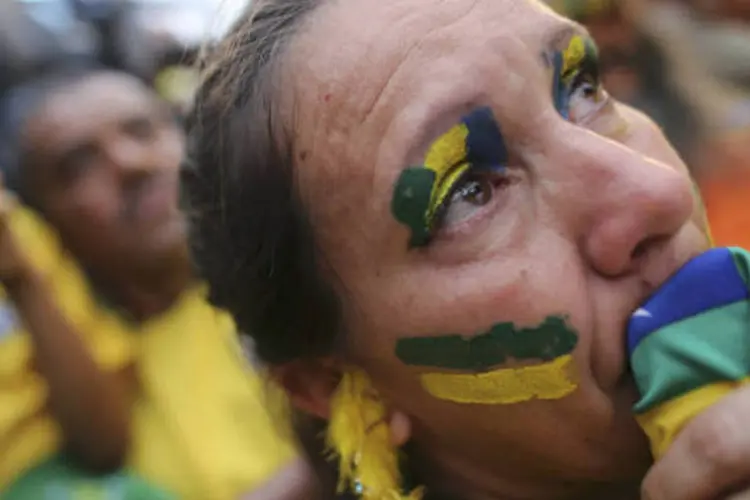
(105, 171)
(492, 217)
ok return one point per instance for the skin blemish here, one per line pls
(482, 382)
(327, 97)
(422, 191)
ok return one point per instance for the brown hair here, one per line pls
(250, 237)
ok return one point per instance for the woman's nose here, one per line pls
(635, 205)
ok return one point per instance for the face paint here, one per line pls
(421, 192)
(577, 64)
(552, 342)
(548, 381)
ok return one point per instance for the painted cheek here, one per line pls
(478, 357)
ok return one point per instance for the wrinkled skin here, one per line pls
(595, 214)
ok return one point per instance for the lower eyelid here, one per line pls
(605, 110)
(501, 180)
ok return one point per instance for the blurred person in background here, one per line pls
(124, 363)
(27, 45)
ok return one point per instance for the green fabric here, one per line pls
(58, 480)
(683, 356)
(741, 259)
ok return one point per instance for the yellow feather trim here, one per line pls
(358, 434)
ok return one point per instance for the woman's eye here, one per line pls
(470, 195)
(586, 99)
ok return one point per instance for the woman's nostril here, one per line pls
(645, 244)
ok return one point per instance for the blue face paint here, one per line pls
(485, 144)
(560, 94)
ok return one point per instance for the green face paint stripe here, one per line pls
(551, 339)
(411, 200)
(421, 190)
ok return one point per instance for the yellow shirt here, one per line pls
(200, 424)
(28, 434)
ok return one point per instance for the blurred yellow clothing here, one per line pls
(200, 424)
(28, 434)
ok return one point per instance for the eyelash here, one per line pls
(472, 173)
(586, 74)
(437, 221)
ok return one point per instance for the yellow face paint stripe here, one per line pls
(573, 56)
(447, 158)
(548, 381)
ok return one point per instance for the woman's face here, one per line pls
(491, 219)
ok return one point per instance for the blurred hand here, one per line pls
(14, 266)
(710, 460)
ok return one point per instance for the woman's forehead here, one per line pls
(378, 80)
(351, 51)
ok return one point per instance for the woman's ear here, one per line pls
(309, 384)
